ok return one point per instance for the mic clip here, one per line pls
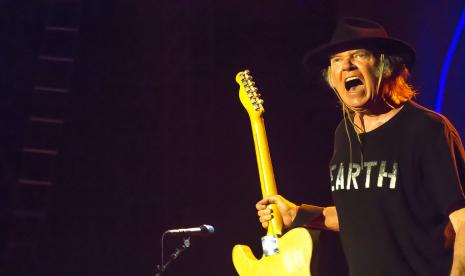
(161, 268)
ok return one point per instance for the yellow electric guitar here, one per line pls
(289, 254)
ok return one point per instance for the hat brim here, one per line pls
(319, 58)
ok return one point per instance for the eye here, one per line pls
(336, 60)
(361, 55)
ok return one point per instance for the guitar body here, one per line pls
(293, 259)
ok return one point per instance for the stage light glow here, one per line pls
(447, 61)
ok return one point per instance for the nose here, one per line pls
(347, 64)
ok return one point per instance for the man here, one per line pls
(397, 169)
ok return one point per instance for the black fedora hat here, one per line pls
(358, 33)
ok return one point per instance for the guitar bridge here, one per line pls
(270, 245)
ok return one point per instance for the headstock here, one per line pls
(248, 94)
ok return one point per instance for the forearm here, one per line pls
(316, 217)
(458, 265)
(331, 218)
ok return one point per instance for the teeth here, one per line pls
(351, 78)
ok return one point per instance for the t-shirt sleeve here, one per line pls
(443, 167)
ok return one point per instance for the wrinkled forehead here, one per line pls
(351, 52)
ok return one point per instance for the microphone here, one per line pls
(204, 230)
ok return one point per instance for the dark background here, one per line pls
(155, 137)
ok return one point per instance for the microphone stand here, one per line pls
(161, 268)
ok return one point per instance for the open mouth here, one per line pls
(352, 83)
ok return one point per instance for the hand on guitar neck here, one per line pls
(289, 210)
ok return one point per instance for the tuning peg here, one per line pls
(246, 71)
(260, 101)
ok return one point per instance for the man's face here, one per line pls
(353, 74)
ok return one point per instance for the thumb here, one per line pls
(272, 199)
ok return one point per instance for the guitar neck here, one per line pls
(250, 99)
(265, 169)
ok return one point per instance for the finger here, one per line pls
(264, 212)
(265, 225)
(265, 218)
(260, 206)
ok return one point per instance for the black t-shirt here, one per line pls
(395, 191)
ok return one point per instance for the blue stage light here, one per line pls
(447, 61)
